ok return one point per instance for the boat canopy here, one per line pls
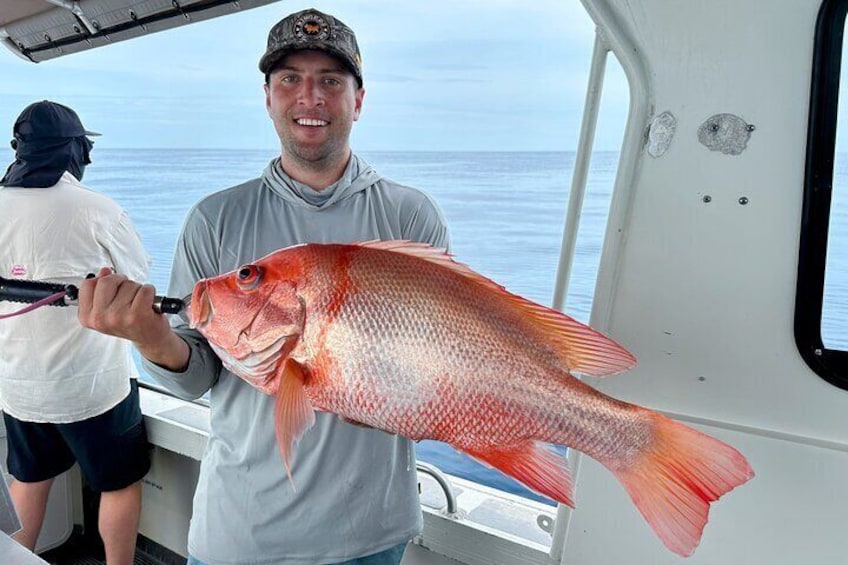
(37, 30)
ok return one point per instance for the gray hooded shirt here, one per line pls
(356, 487)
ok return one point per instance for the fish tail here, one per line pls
(676, 477)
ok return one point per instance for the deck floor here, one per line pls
(82, 550)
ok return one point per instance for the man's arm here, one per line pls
(172, 353)
(427, 224)
(115, 305)
(195, 258)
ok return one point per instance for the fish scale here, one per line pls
(398, 336)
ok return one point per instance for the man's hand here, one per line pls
(115, 305)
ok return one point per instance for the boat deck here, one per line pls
(81, 549)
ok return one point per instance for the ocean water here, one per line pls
(481, 195)
(505, 212)
(835, 305)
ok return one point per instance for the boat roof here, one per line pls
(38, 30)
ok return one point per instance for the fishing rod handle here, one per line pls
(161, 304)
(30, 292)
(167, 305)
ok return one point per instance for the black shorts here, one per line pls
(111, 448)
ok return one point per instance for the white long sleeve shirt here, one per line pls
(51, 368)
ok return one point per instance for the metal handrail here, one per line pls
(440, 478)
(581, 170)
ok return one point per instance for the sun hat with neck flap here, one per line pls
(48, 139)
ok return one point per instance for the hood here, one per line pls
(40, 163)
(358, 176)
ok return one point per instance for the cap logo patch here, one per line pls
(311, 27)
(18, 271)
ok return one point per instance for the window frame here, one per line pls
(829, 364)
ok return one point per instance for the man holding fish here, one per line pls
(393, 334)
(353, 495)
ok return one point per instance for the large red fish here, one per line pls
(398, 336)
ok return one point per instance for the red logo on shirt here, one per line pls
(18, 270)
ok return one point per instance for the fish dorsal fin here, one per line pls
(293, 411)
(437, 255)
(581, 348)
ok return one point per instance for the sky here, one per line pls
(462, 75)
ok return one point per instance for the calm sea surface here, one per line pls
(505, 212)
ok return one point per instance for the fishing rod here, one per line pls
(30, 292)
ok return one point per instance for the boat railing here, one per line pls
(452, 509)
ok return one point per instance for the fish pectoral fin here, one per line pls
(532, 463)
(293, 412)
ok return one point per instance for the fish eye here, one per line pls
(248, 277)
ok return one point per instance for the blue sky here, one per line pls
(459, 75)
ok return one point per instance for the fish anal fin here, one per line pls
(533, 464)
(676, 477)
(293, 411)
(579, 347)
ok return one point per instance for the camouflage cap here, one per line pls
(311, 29)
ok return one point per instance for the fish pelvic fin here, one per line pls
(579, 347)
(533, 464)
(293, 412)
(674, 480)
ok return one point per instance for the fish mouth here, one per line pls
(199, 306)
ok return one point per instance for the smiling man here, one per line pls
(356, 500)
(313, 101)
(313, 94)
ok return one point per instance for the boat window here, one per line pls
(822, 292)
(835, 306)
